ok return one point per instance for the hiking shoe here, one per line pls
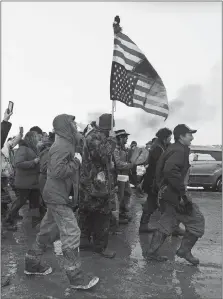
(40, 270)
(83, 282)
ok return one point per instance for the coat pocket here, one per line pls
(171, 196)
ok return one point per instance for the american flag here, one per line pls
(134, 81)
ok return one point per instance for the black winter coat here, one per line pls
(171, 170)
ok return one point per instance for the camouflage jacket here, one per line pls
(96, 180)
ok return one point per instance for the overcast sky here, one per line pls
(56, 58)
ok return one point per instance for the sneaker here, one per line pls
(33, 264)
(83, 282)
(40, 270)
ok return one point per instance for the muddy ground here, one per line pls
(130, 275)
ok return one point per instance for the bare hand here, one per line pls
(37, 160)
(7, 115)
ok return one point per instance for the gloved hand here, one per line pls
(78, 156)
(185, 205)
(186, 198)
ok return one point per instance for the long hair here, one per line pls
(31, 140)
(163, 134)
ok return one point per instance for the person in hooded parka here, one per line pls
(60, 221)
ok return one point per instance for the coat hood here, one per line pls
(63, 128)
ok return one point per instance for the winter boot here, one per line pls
(107, 253)
(178, 232)
(187, 244)
(101, 245)
(33, 264)
(157, 241)
(78, 280)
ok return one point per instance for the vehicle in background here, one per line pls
(206, 168)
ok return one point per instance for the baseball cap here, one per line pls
(182, 129)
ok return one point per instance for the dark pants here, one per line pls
(149, 207)
(133, 176)
(170, 219)
(22, 196)
(97, 225)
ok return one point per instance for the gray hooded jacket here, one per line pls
(63, 168)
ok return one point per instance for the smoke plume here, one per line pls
(195, 105)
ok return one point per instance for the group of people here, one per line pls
(78, 188)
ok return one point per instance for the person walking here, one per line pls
(97, 192)
(26, 179)
(60, 221)
(172, 174)
(156, 150)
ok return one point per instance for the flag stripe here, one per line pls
(134, 81)
(129, 50)
(150, 87)
(122, 62)
(127, 55)
(152, 111)
(147, 96)
(143, 89)
(129, 45)
(150, 101)
(121, 55)
(144, 84)
(125, 37)
(159, 95)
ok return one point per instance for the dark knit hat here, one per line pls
(105, 121)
